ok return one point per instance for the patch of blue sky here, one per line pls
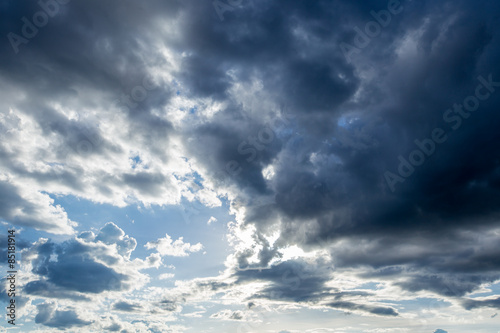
(347, 121)
(136, 160)
(369, 286)
(187, 220)
(494, 290)
(416, 304)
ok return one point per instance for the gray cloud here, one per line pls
(86, 264)
(126, 306)
(75, 270)
(351, 122)
(490, 303)
(377, 310)
(228, 315)
(45, 289)
(61, 319)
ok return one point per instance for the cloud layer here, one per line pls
(379, 165)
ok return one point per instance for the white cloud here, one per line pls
(228, 315)
(178, 248)
(26, 206)
(211, 220)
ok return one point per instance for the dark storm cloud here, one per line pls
(301, 282)
(353, 121)
(377, 310)
(428, 59)
(290, 281)
(358, 118)
(447, 285)
(491, 303)
(223, 142)
(451, 266)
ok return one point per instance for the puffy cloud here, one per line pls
(49, 316)
(80, 267)
(228, 315)
(112, 234)
(81, 135)
(211, 220)
(86, 264)
(28, 208)
(127, 307)
(177, 248)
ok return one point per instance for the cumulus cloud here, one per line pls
(85, 264)
(49, 316)
(126, 306)
(166, 247)
(228, 315)
(211, 220)
(28, 208)
(79, 135)
(112, 234)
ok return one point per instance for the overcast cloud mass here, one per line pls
(251, 166)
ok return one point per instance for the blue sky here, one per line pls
(251, 166)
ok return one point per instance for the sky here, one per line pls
(274, 166)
